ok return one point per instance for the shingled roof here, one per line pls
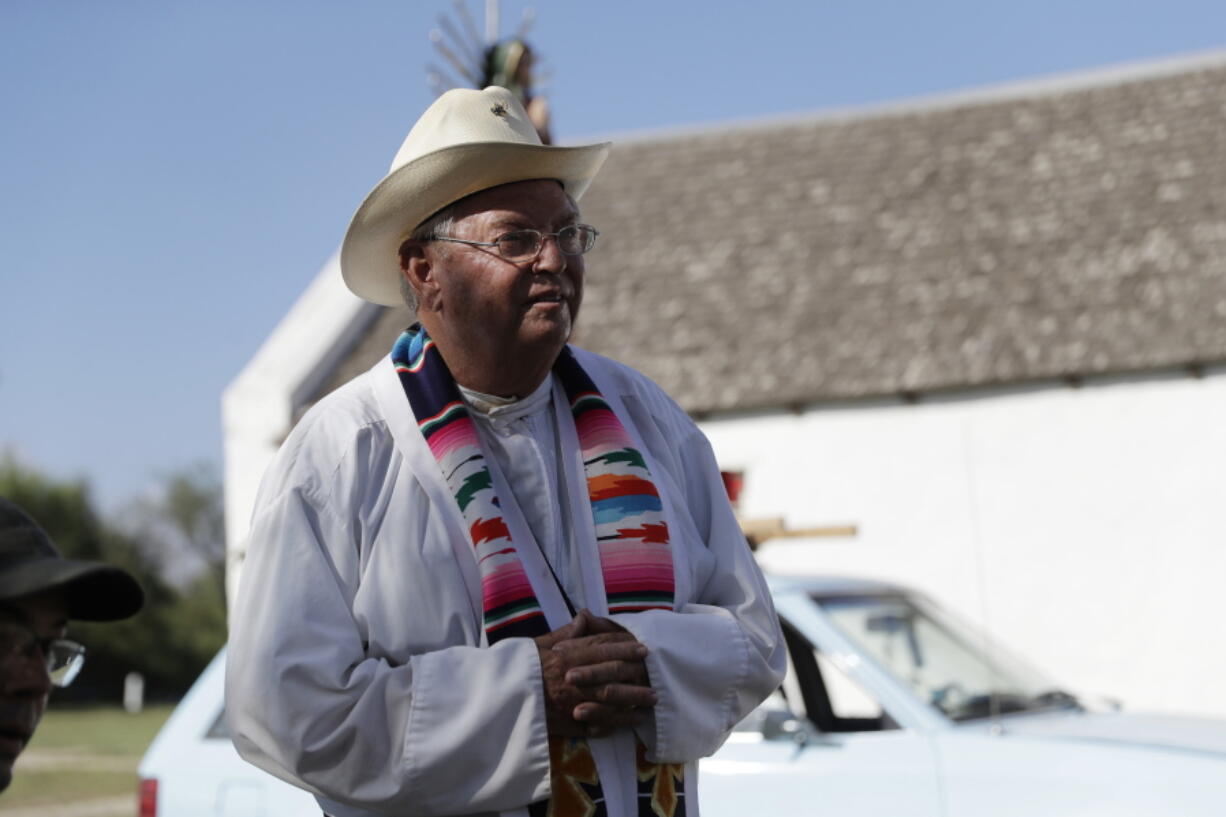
(1064, 231)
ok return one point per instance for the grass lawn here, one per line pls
(44, 788)
(79, 754)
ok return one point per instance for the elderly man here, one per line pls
(495, 573)
(39, 592)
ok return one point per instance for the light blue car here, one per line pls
(890, 707)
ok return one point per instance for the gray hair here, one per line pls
(437, 225)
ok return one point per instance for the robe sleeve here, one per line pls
(721, 654)
(456, 730)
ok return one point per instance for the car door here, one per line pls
(822, 744)
(192, 769)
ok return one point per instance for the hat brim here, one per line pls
(415, 191)
(93, 592)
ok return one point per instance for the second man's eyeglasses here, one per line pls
(63, 658)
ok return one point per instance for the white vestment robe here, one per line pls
(358, 667)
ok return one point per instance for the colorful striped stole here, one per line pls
(631, 535)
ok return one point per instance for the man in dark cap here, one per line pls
(40, 591)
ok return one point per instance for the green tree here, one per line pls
(183, 524)
(178, 631)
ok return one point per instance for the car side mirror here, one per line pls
(784, 725)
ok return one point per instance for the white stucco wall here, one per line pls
(1086, 527)
(258, 408)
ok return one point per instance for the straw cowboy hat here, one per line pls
(467, 141)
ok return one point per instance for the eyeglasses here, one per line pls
(525, 245)
(63, 658)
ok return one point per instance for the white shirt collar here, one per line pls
(508, 408)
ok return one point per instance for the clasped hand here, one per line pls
(595, 677)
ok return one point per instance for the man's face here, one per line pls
(495, 305)
(24, 682)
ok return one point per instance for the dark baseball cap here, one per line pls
(30, 563)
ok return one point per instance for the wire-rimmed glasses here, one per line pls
(525, 245)
(62, 657)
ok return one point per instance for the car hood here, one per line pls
(1205, 736)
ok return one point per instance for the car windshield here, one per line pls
(943, 661)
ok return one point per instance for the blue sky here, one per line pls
(173, 173)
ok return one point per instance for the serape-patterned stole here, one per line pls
(631, 533)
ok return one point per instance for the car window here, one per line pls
(944, 662)
(832, 700)
(818, 686)
(847, 698)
